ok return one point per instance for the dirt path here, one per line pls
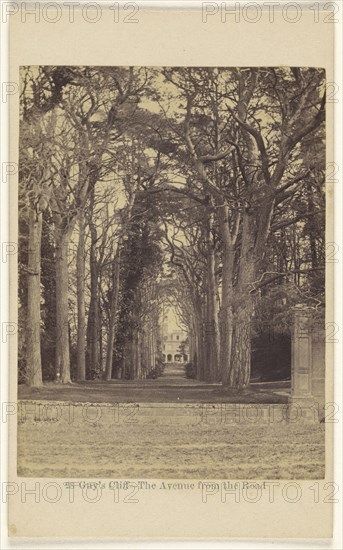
(175, 374)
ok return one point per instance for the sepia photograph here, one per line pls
(171, 272)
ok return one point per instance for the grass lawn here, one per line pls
(162, 390)
(96, 429)
(100, 443)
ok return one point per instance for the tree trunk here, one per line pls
(240, 364)
(148, 340)
(62, 307)
(226, 329)
(254, 235)
(153, 345)
(128, 356)
(192, 347)
(226, 317)
(113, 313)
(93, 312)
(81, 312)
(136, 355)
(33, 351)
(200, 351)
(212, 325)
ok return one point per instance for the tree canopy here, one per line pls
(198, 187)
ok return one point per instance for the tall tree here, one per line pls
(256, 119)
(40, 93)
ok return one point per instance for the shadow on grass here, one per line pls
(148, 392)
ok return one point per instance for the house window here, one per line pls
(177, 337)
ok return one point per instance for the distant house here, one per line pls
(174, 348)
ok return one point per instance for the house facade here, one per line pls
(174, 348)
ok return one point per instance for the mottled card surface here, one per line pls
(171, 371)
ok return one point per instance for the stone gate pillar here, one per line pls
(301, 401)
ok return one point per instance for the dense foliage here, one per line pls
(199, 188)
